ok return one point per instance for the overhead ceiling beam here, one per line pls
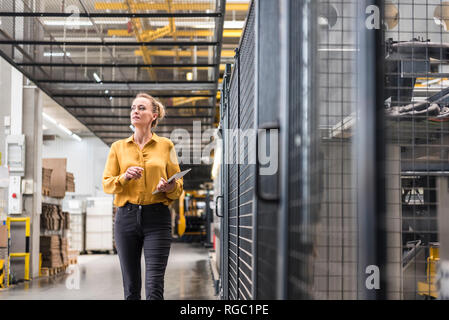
(129, 107)
(99, 132)
(118, 65)
(163, 124)
(130, 96)
(113, 15)
(186, 143)
(127, 117)
(121, 82)
(111, 43)
(133, 86)
(129, 132)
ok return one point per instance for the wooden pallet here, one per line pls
(47, 272)
(73, 260)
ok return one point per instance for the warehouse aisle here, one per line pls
(98, 277)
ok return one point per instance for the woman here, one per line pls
(136, 167)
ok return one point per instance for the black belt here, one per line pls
(147, 206)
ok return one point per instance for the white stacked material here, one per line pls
(77, 211)
(76, 232)
(99, 222)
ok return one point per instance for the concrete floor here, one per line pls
(98, 277)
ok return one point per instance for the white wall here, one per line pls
(85, 159)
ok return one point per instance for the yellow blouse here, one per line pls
(158, 158)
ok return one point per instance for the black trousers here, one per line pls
(147, 227)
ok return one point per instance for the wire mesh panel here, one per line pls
(414, 55)
(416, 109)
(233, 196)
(247, 149)
(336, 242)
(239, 152)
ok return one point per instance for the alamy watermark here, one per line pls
(72, 282)
(243, 146)
(372, 281)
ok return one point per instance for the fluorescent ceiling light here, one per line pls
(76, 137)
(69, 22)
(61, 127)
(97, 21)
(234, 24)
(50, 119)
(97, 78)
(82, 22)
(56, 54)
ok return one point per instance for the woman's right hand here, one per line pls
(133, 173)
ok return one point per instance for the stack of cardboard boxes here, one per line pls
(70, 182)
(54, 248)
(58, 179)
(66, 220)
(50, 247)
(52, 218)
(54, 222)
(64, 251)
(46, 181)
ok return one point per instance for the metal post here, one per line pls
(370, 153)
(284, 52)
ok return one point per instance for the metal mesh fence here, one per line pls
(416, 113)
(367, 112)
(241, 173)
(335, 247)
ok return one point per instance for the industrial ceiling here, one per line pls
(93, 57)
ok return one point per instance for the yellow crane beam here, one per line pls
(137, 29)
(222, 68)
(230, 33)
(176, 102)
(151, 35)
(175, 6)
(170, 53)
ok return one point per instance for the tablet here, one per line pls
(176, 176)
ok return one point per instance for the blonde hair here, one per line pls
(158, 107)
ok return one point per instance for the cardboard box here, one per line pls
(70, 182)
(3, 236)
(58, 176)
(46, 178)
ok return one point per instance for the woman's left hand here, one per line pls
(163, 186)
